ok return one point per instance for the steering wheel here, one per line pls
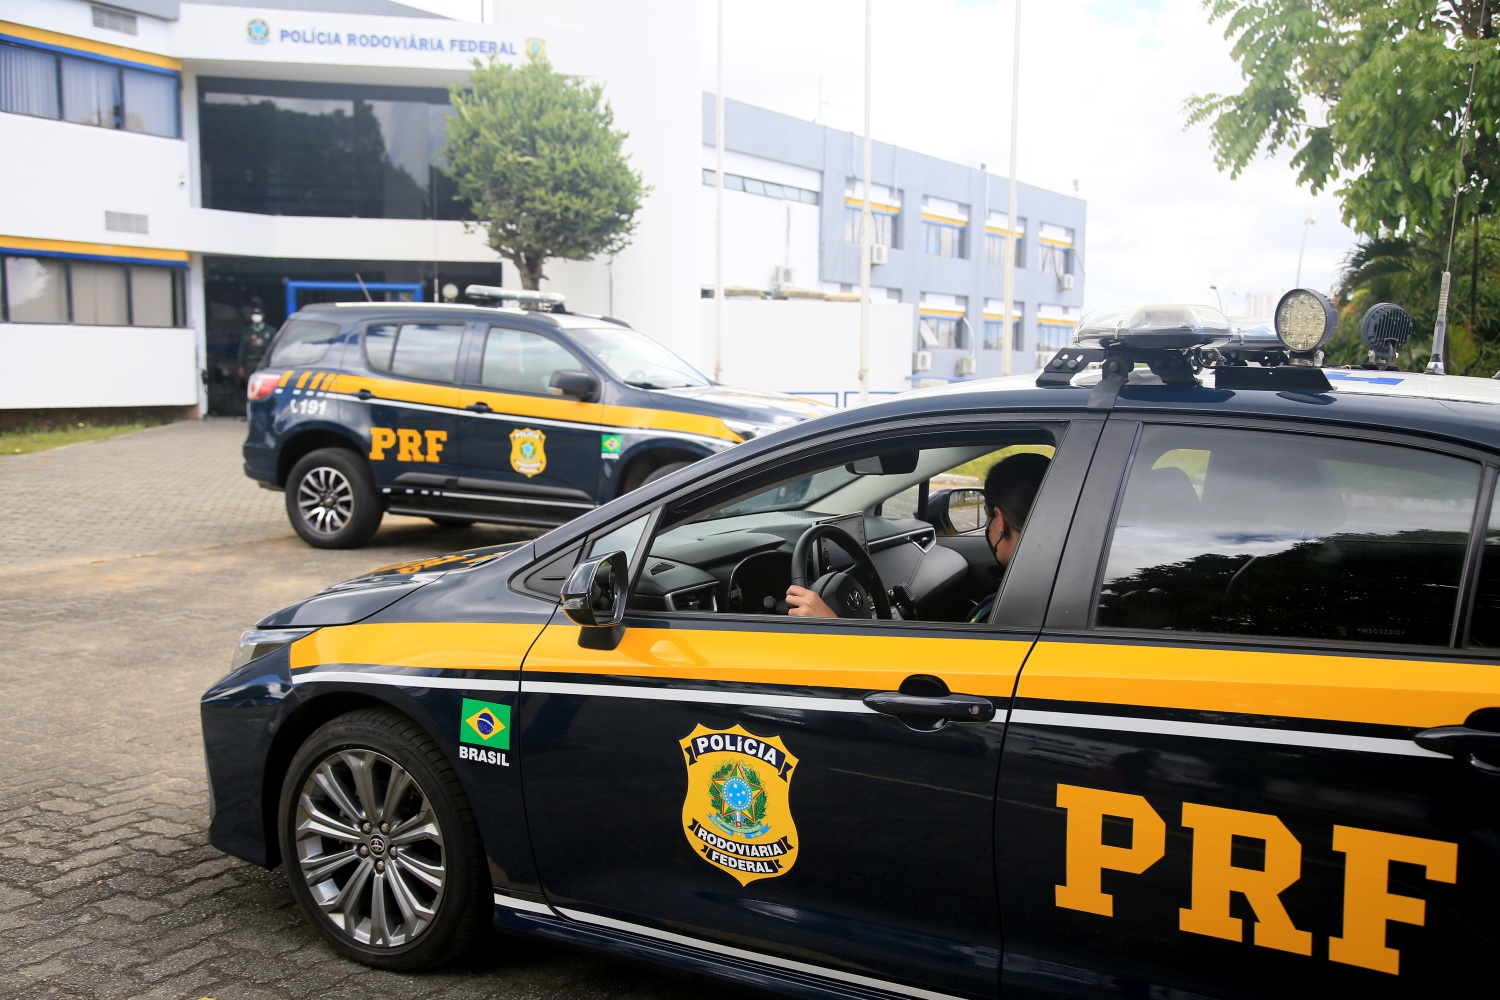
(857, 593)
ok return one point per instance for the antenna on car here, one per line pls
(368, 296)
(1435, 365)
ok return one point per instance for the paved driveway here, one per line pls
(129, 568)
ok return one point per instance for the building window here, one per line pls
(941, 322)
(945, 228)
(994, 326)
(885, 213)
(996, 229)
(88, 91)
(884, 223)
(749, 185)
(1054, 330)
(90, 293)
(275, 147)
(1055, 249)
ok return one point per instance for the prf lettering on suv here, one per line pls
(464, 413)
(1172, 671)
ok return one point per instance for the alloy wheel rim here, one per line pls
(325, 498)
(370, 849)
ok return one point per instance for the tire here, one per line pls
(421, 905)
(331, 500)
(665, 470)
(450, 522)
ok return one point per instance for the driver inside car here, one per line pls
(1010, 487)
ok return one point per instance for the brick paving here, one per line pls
(131, 565)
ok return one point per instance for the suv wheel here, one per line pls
(331, 500)
(380, 845)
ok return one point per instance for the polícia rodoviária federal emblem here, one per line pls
(528, 451)
(737, 815)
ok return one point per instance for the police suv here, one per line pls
(1231, 727)
(464, 413)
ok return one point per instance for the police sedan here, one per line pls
(1215, 716)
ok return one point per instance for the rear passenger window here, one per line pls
(415, 350)
(301, 343)
(1484, 624)
(1288, 535)
(521, 361)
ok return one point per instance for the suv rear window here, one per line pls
(416, 350)
(301, 342)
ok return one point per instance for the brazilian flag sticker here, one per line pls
(610, 445)
(485, 724)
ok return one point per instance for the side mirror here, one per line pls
(579, 384)
(594, 595)
(958, 512)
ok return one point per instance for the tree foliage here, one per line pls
(535, 154)
(1368, 94)
(1408, 270)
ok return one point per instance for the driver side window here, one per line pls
(876, 530)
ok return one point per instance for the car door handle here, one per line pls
(365, 394)
(949, 707)
(480, 407)
(1462, 742)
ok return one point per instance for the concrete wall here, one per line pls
(81, 366)
(809, 346)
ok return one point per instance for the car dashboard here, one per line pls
(743, 564)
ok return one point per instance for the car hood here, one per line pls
(359, 598)
(756, 405)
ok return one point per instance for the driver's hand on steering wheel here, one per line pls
(805, 603)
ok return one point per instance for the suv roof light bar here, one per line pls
(536, 301)
(1178, 341)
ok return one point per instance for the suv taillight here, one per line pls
(261, 385)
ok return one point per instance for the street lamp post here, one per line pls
(1215, 289)
(1306, 225)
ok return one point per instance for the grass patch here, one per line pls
(26, 440)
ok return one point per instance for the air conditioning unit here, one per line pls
(1065, 282)
(879, 253)
(783, 277)
(921, 361)
(966, 365)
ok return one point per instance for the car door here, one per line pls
(720, 782)
(538, 451)
(1219, 776)
(411, 405)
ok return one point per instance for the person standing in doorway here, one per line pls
(253, 343)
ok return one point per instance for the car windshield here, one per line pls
(637, 359)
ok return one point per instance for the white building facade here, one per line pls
(171, 166)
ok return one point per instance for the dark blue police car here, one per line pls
(1231, 727)
(464, 413)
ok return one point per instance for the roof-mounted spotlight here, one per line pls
(1305, 321)
(1385, 330)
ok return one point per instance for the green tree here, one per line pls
(1368, 94)
(535, 154)
(1407, 270)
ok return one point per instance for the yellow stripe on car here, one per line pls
(1343, 688)
(417, 646)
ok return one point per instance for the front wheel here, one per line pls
(331, 500)
(380, 845)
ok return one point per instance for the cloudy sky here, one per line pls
(1102, 86)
